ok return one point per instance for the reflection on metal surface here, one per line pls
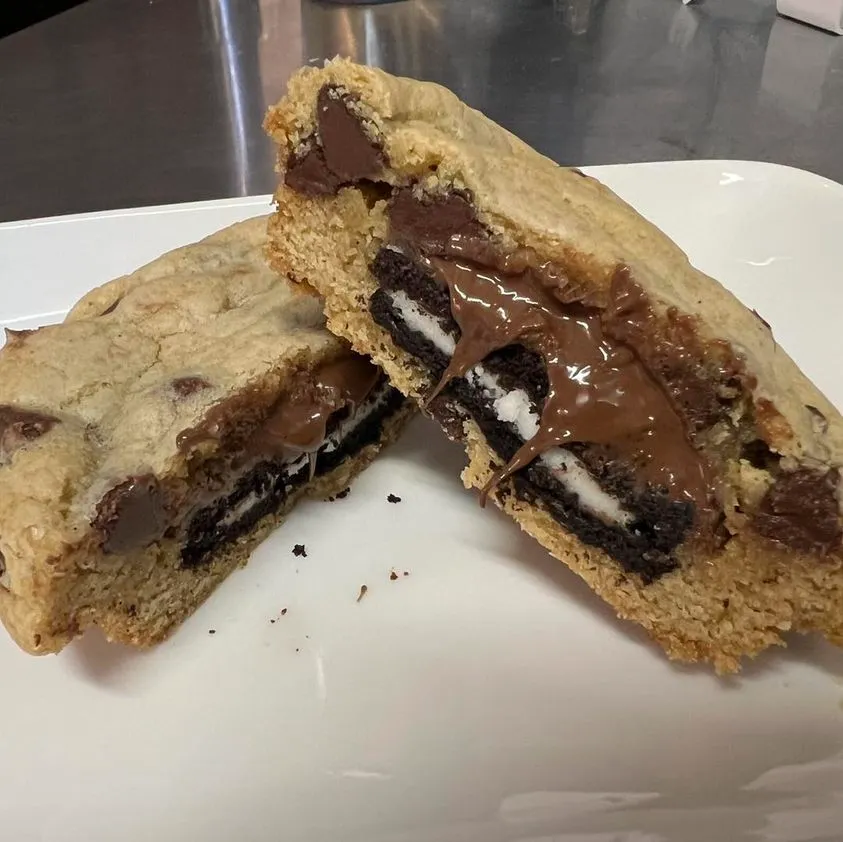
(235, 85)
(236, 31)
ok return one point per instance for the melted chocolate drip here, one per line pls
(299, 421)
(599, 391)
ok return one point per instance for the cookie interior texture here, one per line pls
(153, 439)
(625, 409)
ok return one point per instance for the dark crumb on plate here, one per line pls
(283, 611)
(406, 572)
(299, 550)
(272, 620)
(392, 575)
(297, 648)
(363, 590)
(212, 631)
(340, 496)
(393, 498)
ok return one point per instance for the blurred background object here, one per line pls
(120, 103)
(18, 14)
(826, 14)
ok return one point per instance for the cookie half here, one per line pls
(625, 409)
(149, 442)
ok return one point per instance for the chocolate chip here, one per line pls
(131, 515)
(308, 173)
(393, 498)
(432, 220)
(18, 427)
(363, 591)
(299, 550)
(341, 153)
(801, 511)
(184, 387)
(350, 153)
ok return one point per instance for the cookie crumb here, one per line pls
(344, 493)
(393, 498)
(283, 611)
(406, 572)
(363, 591)
(272, 620)
(212, 631)
(299, 550)
(297, 648)
(392, 575)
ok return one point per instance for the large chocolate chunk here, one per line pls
(801, 511)
(308, 173)
(349, 152)
(430, 222)
(341, 153)
(131, 516)
(18, 427)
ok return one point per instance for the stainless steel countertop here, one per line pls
(133, 102)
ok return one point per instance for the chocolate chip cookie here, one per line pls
(149, 442)
(625, 409)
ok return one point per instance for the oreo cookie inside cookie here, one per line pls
(246, 456)
(639, 527)
(263, 489)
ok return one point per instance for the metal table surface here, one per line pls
(133, 102)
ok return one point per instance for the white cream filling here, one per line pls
(513, 407)
(297, 463)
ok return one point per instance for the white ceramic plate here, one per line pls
(485, 696)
